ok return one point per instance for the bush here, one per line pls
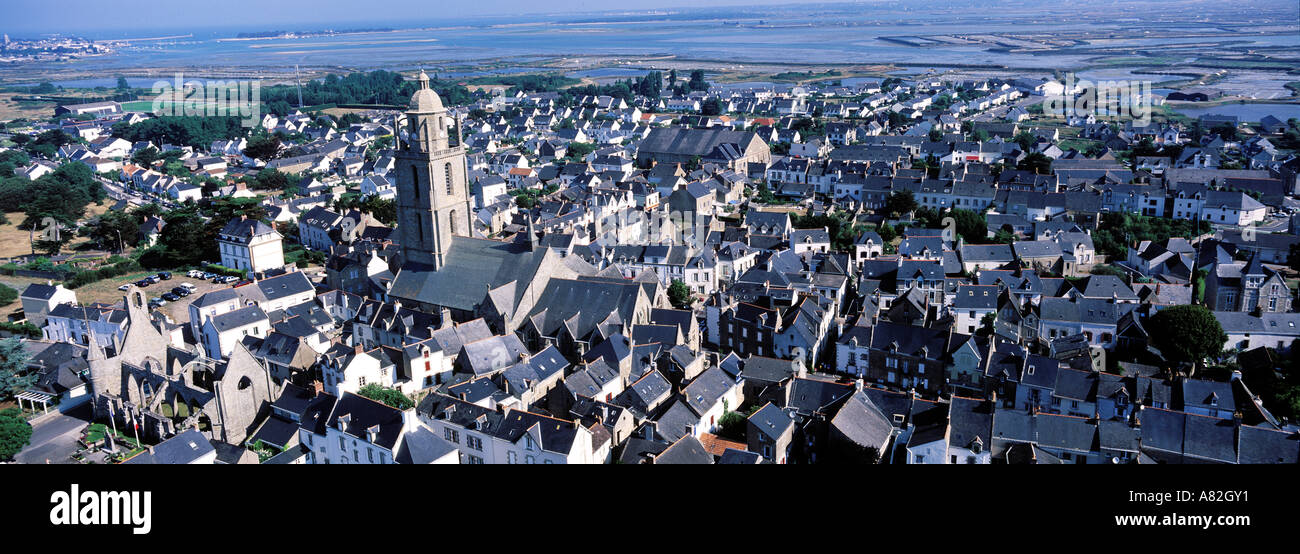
(7, 294)
(223, 270)
(732, 426)
(15, 433)
(27, 329)
(392, 397)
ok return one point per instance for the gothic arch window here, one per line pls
(245, 382)
(415, 180)
(455, 229)
(446, 169)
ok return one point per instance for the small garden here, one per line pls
(94, 444)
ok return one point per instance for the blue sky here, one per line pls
(127, 18)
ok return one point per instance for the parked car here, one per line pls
(189, 286)
(156, 303)
(170, 296)
(143, 283)
(165, 275)
(230, 279)
(180, 291)
(124, 287)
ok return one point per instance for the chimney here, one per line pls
(318, 387)
(358, 348)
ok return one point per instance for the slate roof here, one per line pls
(771, 421)
(862, 423)
(486, 263)
(686, 450)
(184, 448)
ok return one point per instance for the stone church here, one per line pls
(444, 270)
(143, 379)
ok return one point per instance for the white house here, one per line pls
(250, 244)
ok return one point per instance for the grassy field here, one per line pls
(17, 242)
(11, 109)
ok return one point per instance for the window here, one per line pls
(474, 442)
(446, 168)
(415, 181)
(451, 435)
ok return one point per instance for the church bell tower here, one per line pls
(432, 188)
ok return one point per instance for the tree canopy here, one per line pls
(14, 377)
(1187, 333)
(15, 433)
(679, 294)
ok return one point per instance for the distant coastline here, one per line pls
(280, 35)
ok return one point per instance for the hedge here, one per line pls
(22, 329)
(106, 272)
(223, 270)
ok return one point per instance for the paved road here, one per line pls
(55, 438)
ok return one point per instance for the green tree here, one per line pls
(732, 426)
(1187, 334)
(936, 134)
(15, 433)
(14, 377)
(679, 294)
(114, 230)
(263, 147)
(1037, 162)
(392, 397)
(986, 324)
(145, 157)
(383, 209)
(185, 240)
(1025, 140)
(971, 226)
(711, 106)
(697, 81)
(900, 203)
(7, 294)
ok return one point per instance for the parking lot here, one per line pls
(107, 291)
